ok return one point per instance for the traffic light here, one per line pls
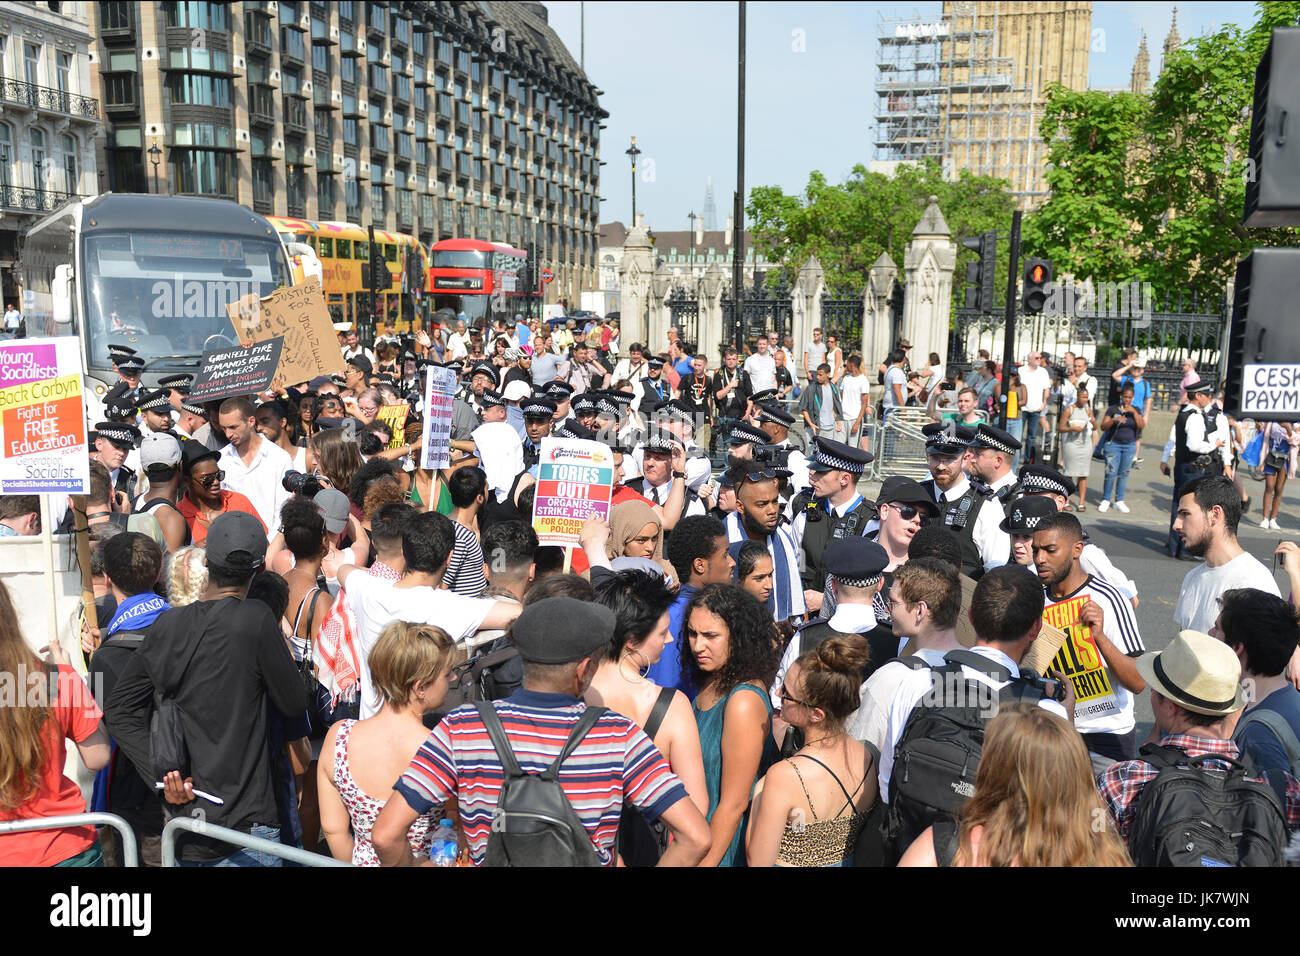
(981, 273)
(1038, 273)
(414, 270)
(380, 278)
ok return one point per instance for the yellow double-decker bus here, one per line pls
(343, 248)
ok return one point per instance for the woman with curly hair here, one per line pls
(733, 648)
(810, 808)
(1035, 803)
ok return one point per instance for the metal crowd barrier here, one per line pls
(226, 835)
(130, 852)
(900, 445)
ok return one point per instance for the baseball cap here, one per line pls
(158, 448)
(237, 541)
(334, 508)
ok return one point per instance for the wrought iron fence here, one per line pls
(685, 311)
(43, 97)
(33, 200)
(1183, 327)
(762, 310)
(842, 313)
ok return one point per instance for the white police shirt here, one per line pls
(992, 543)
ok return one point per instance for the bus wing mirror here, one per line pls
(62, 293)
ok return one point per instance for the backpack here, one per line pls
(473, 680)
(167, 747)
(939, 751)
(1191, 815)
(1280, 728)
(534, 824)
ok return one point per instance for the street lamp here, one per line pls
(691, 259)
(632, 154)
(155, 157)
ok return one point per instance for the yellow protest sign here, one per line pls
(395, 417)
(1079, 658)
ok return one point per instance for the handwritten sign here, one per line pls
(299, 316)
(439, 397)
(42, 418)
(395, 417)
(237, 371)
(575, 479)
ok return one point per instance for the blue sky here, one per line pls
(669, 75)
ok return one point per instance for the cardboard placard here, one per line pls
(439, 399)
(298, 314)
(575, 479)
(42, 418)
(237, 370)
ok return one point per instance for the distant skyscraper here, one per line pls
(710, 215)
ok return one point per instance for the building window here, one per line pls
(417, 44)
(347, 10)
(291, 43)
(199, 90)
(119, 89)
(348, 70)
(65, 73)
(31, 63)
(115, 16)
(325, 195)
(204, 16)
(197, 58)
(352, 199)
(263, 182)
(289, 12)
(323, 121)
(377, 210)
(202, 172)
(6, 154)
(257, 29)
(291, 82)
(201, 134)
(320, 57)
(349, 130)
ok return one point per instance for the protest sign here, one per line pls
(574, 482)
(42, 418)
(1079, 658)
(394, 416)
(439, 396)
(236, 370)
(1270, 390)
(297, 314)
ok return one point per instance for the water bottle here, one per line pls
(442, 851)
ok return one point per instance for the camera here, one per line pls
(947, 386)
(300, 483)
(771, 455)
(1049, 687)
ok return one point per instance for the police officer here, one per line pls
(114, 441)
(562, 394)
(663, 479)
(484, 376)
(177, 388)
(129, 367)
(677, 417)
(655, 389)
(157, 412)
(1200, 445)
(1045, 482)
(856, 567)
(831, 508)
(776, 422)
(1023, 517)
(538, 413)
(971, 514)
(993, 451)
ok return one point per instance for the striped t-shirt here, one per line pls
(616, 761)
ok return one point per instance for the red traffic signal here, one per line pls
(1038, 274)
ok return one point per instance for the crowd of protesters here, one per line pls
(311, 638)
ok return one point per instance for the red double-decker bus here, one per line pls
(481, 279)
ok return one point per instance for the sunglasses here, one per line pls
(787, 699)
(908, 512)
(207, 481)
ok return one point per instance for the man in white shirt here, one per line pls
(855, 394)
(925, 598)
(1084, 380)
(458, 343)
(418, 598)
(631, 369)
(814, 353)
(761, 367)
(994, 450)
(13, 318)
(1209, 509)
(1007, 611)
(252, 465)
(1038, 383)
(355, 348)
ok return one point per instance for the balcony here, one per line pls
(295, 114)
(33, 200)
(45, 98)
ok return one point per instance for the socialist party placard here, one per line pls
(575, 479)
(42, 418)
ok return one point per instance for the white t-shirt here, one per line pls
(762, 371)
(1198, 600)
(895, 376)
(852, 389)
(870, 721)
(1035, 381)
(1102, 704)
(376, 603)
(259, 482)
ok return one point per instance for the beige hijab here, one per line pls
(625, 523)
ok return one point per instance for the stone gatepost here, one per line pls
(711, 341)
(928, 263)
(877, 323)
(806, 306)
(661, 285)
(634, 274)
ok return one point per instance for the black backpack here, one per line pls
(1192, 815)
(534, 824)
(937, 755)
(473, 680)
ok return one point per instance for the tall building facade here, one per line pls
(968, 87)
(48, 120)
(437, 119)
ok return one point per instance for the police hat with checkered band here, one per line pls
(772, 412)
(1200, 388)
(116, 353)
(766, 395)
(193, 409)
(606, 407)
(1042, 479)
(538, 407)
(1027, 514)
(745, 433)
(995, 439)
(946, 438)
(155, 402)
(484, 368)
(855, 561)
(836, 456)
(575, 429)
(676, 410)
(119, 433)
(491, 399)
(179, 382)
(654, 361)
(583, 403)
(662, 443)
(560, 391)
(120, 409)
(130, 365)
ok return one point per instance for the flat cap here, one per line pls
(120, 409)
(831, 455)
(855, 561)
(945, 438)
(491, 399)
(156, 401)
(130, 364)
(1200, 388)
(560, 391)
(193, 409)
(663, 443)
(179, 382)
(765, 395)
(583, 402)
(119, 433)
(992, 437)
(560, 630)
(745, 433)
(775, 413)
(539, 407)
(572, 428)
(676, 410)
(486, 368)
(654, 361)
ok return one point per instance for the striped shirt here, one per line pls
(615, 762)
(465, 570)
(1102, 703)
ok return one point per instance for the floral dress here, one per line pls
(363, 809)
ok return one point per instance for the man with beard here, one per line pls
(483, 376)
(1102, 639)
(273, 425)
(1209, 508)
(776, 422)
(538, 414)
(758, 518)
(834, 509)
(971, 514)
(156, 411)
